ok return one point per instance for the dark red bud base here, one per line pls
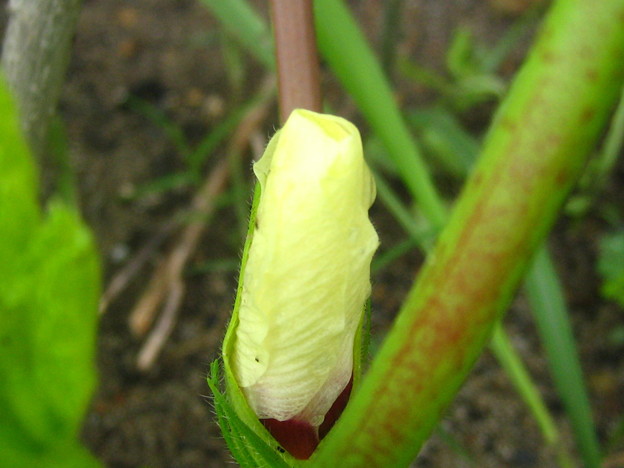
(300, 438)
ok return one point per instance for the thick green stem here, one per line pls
(534, 152)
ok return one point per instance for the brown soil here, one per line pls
(169, 53)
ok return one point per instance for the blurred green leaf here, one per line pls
(462, 57)
(239, 19)
(49, 290)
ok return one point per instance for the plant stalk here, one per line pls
(34, 57)
(298, 74)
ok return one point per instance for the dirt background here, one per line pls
(170, 54)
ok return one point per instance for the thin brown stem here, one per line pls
(297, 57)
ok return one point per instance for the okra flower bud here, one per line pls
(307, 275)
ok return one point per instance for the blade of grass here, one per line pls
(426, 77)
(390, 34)
(455, 445)
(442, 135)
(495, 56)
(241, 20)
(166, 183)
(530, 392)
(423, 234)
(550, 314)
(221, 265)
(616, 435)
(344, 48)
(197, 157)
(159, 118)
(239, 185)
(613, 142)
(502, 348)
(234, 64)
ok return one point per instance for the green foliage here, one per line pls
(545, 295)
(196, 156)
(471, 66)
(611, 266)
(240, 20)
(444, 138)
(474, 84)
(471, 80)
(49, 289)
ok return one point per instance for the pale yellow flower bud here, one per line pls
(307, 276)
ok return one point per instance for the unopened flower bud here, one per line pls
(307, 276)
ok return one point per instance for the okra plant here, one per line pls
(295, 391)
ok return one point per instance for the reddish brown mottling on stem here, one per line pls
(587, 115)
(548, 56)
(562, 177)
(592, 74)
(477, 179)
(508, 124)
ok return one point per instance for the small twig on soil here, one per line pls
(297, 57)
(614, 461)
(164, 326)
(123, 277)
(166, 283)
(169, 270)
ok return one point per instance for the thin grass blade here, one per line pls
(548, 305)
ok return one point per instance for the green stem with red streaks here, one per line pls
(533, 154)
